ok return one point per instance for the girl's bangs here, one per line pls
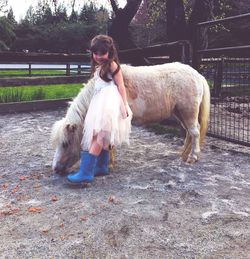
(99, 49)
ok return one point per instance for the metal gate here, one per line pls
(228, 73)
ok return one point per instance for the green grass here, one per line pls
(41, 92)
(23, 73)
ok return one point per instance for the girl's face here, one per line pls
(100, 57)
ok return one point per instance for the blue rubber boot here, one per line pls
(87, 169)
(102, 164)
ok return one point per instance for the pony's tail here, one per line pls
(204, 111)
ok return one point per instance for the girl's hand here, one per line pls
(127, 110)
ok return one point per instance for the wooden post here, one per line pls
(185, 52)
(67, 69)
(79, 70)
(195, 56)
(29, 69)
(218, 77)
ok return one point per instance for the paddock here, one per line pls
(152, 205)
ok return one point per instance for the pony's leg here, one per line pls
(189, 120)
(112, 158)
(195, 146)
(187, 142)
(186, 147)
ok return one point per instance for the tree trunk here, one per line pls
(176, 25)
(119, 28)
(202, 11)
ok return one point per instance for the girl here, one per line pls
(108, 119)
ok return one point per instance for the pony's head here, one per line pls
(66, 138)
(67, 133)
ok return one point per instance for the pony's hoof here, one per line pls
(184, 158)
(192, 159)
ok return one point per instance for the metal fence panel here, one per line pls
(229, 80)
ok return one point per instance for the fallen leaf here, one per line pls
(23, 177)
(62, 225)
(84, 218)
(62, 237)
(111, 199)
(15, 189)
(46, 230)
(37, 186)
(5, 186)
(9, 212)
(54, 198)
(102, 206)
(35, 210)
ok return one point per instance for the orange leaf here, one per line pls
(23, 177)
(15, 189)
(9, 212)
(62, 237)
(35, 210)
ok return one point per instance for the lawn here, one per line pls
(40, 92)
(23, 73)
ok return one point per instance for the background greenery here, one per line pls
(50, 29)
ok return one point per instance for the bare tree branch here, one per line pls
(114, 6)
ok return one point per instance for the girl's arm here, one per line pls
(118, 79)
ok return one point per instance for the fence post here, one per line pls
(67, 69)
(29, 69)
(79, 70)
(195, 56)
(185, 52)
(218, 77)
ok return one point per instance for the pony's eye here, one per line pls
(65, 144)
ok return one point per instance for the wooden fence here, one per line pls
(155, 54)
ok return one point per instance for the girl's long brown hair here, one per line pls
(102, 44)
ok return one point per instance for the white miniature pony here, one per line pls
(154, 94)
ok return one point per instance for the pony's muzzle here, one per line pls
(59, 168)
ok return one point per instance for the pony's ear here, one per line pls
(71, 127)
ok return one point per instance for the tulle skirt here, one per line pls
(106, 119)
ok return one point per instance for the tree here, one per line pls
(176, 23)
(119, 28)
(11, 17)
(7, 33)
(88, 13)
(73, 17)
(61, 15)
(3, 5)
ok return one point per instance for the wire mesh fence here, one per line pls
(229, 80)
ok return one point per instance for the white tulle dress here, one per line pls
(106, 117)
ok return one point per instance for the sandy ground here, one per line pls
(151, 206)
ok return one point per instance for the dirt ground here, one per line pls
(152, 205)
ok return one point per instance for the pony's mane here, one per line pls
(74, 117)
(78, 107)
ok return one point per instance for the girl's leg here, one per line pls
(89, 161)
(95, 148)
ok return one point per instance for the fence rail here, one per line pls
(226, 68)
(59, 59)
(228, 72)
